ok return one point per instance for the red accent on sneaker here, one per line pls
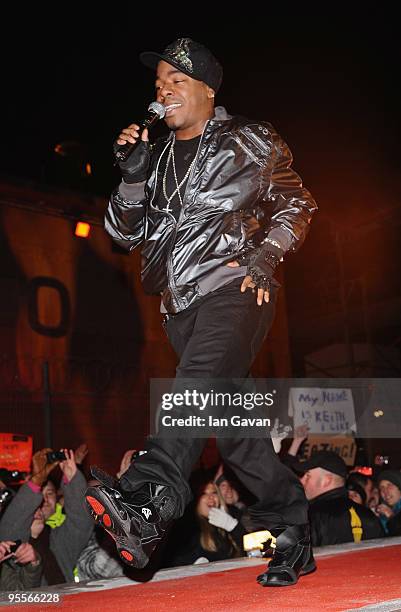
(126, 555)
(95, 505)
(106, 520)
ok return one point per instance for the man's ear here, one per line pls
(210, 92)
(328, 480)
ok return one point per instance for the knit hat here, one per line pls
(393, 476)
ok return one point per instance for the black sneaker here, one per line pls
(136, 520)
(292, 557)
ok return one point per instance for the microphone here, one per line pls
(156, 111)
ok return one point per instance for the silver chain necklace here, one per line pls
(171, 159)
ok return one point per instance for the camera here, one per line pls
(137, 454)
(14, 547)
(53, 456)
(11, 476)
(6, 496)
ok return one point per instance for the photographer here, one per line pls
(25, 517)
(21, 566)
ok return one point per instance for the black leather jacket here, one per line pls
(240, 189)
(330, 519)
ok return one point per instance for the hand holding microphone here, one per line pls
(131, 149)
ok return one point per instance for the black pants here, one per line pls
(219, 337)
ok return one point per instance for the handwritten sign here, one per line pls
(345, 446)
(325, 411)
(15, 452)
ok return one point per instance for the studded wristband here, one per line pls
(262, 265)
(260, 278)
(271, 259)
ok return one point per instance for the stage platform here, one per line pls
(364, 576)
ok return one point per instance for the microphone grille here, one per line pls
(158, 108)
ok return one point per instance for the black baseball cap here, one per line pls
(191, 58)
(328, 460)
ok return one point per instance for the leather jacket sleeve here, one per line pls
(126, 214)
(292, 204)
(290, 211)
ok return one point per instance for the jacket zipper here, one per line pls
(262, 146)
(245, 148)
(170, 270)
(153, 197)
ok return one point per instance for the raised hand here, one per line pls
(135, 168)
(125, 462)
(40, 467)
(220, 518)
(69, 466)
(80, 453)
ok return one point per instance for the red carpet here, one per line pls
(342, 582)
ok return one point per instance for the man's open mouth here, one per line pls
(171, 107)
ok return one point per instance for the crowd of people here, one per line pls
(47, 536)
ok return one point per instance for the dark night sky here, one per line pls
(329, 84)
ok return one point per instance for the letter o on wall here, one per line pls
(40, 282)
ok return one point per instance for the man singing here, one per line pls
(215, 207)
